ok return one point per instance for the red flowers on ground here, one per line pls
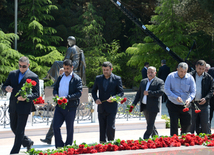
(158, 142)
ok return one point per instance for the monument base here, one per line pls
(49, 94)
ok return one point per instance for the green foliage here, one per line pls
(9, 57)
(35, 38)
(170, 29)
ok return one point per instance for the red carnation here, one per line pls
(33, 83)
(28, 80)
(124, 100)
(131, 107)
(197, 111)
(64, 100)
(185, 109)
(59, 102)
(130, 110)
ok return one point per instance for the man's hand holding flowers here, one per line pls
(116, 98)
(25, 90)
(61, 101)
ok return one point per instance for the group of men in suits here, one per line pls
(181, 87)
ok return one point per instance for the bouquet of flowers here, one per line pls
(39, 100)
(185, 107)
(26, 89)
(118, 99)
(197, 110)
(61, 101)
(130, 107)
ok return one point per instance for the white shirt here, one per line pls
(64, 85)
(144, 101)
(198, 80)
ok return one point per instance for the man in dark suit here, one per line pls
(211, 72)
(149, 94)
(164, 71)
(144, 70)
(19, 111)
(68, 85)
(204, 91)
(108, 85)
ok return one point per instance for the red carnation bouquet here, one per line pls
(197, 110)
(130, 107)
(39, 100)
(118, 99)
(61, 101)
(26, 89)
(185, 107)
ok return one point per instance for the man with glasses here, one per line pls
(19, 111)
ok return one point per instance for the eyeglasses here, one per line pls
(22, 66)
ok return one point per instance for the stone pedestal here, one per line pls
(84, 97)
(49, 94)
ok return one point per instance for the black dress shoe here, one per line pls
(46, 141)
(29, 146)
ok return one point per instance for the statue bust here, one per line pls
(75, 54)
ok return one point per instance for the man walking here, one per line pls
(204, 89)
(149, 93)
(181, 89)
(164, 71)
(19, 111)
(144, 70)
(68, 85)
(108, 85)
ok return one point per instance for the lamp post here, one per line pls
(16, 16)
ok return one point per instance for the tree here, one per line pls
(171, 30)
(9, 57)
(35, 37)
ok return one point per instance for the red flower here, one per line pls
(59, 101)
(28, 80)
(185, 109)
(64, 100)
(197, 111)
(131, 107)
(124, 100)
(33, 83)
(130, 110)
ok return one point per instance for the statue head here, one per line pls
(71, 40)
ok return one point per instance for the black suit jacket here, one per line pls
(75, 91)
(144, 73)
(207, 88)
(22, 107)
(211, 71)
(163, 72)
(156, 89)
(114, 88)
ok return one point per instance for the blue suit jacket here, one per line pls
(75, 91)
(22, 107)
(114, 88)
